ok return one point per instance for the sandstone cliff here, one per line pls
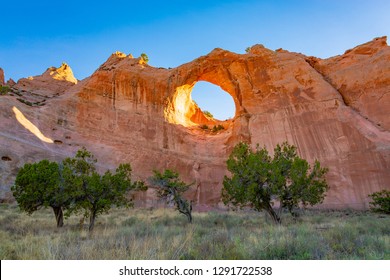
(53, 82)
(2, 82)
(333, 110)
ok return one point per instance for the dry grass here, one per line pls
(164, 234)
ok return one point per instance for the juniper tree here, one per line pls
(258, 180)
(171, 188)
(380, 201)
(94, 194)
(40, 185)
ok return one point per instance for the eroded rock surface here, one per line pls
(333, 110)
(1, 77)
(37, 90)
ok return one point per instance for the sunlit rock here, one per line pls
(334, 110)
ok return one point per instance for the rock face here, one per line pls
(2, 77)
(362, 77)
(53, 82)
(10, 83)
(333, 110)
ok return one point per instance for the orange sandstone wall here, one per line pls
(333, 110)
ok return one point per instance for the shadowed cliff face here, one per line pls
(333, 110)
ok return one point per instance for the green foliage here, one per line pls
(83, 164)
(380, 201)
(75, 186)
(248, 49)
(217, 128)
(171, 188)
(4, 90)
(294, 181)
(258, 180)
(94, 194)
(208, 114)
(145, 57)
(40, 185)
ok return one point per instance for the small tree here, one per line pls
(208, 114)
(171, 188)
(217, 128)
(258, 180)
(95, 194)
(40, 185)
(145, 57)
(4, 90)
(380, 202)
(77, 175)
(294, 181)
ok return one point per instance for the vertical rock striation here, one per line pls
(2, 82)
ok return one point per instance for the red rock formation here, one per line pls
(2, 77)
(361, 76)
(53, 82)
(10, 83)
(130, 111)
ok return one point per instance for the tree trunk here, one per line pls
(59, 216)
(189, 217)
(184, 208)
(92, 221)
(280, 209)
(273, 215)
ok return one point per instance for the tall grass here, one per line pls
(164, 234)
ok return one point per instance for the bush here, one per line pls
(217, 128)
(208, 114)
(4, 90)
(380, 201)
(145, 57)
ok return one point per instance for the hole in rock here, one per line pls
(201, 104)
(6, 158)
(214, 100)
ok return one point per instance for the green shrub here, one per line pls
(217, 128)
(380, 201)
(4, 90)
(204, 126)
(208, 114)
(145, 57)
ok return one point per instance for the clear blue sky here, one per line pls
(38, 34)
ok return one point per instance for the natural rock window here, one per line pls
(200, 104)
(211, 98)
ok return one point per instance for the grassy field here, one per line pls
(164, 234)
